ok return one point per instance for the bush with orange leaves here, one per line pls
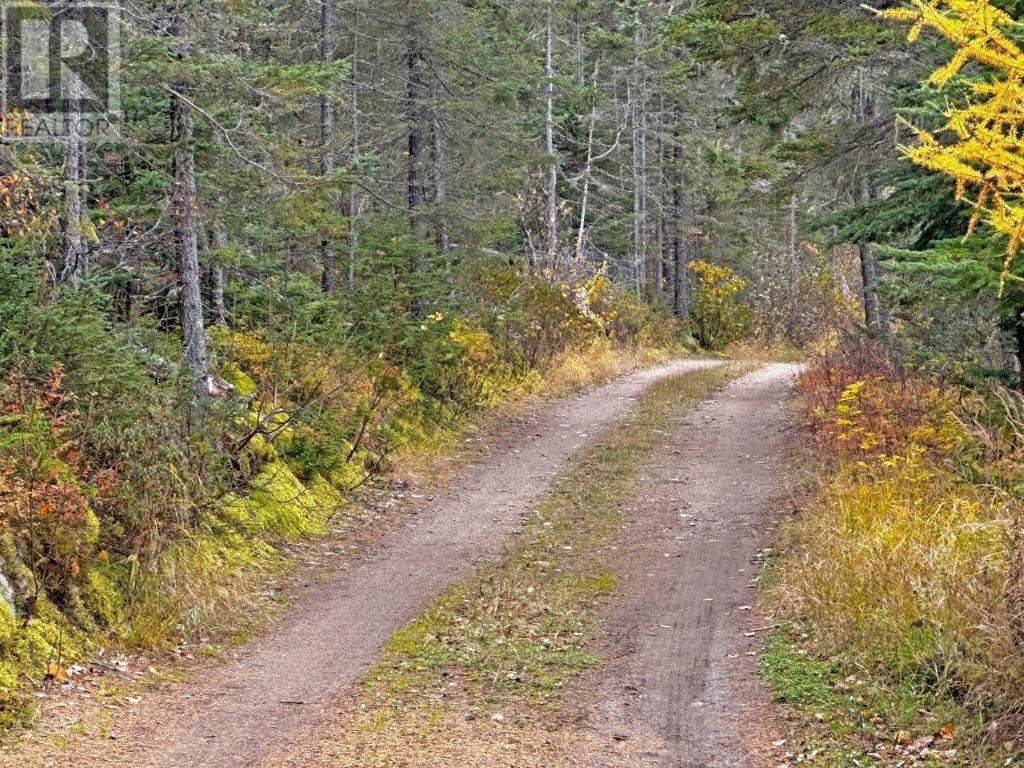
(46, 487)
(861, 401)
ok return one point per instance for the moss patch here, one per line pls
(277, 503)
(27, 647)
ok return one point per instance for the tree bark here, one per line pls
(869, 273)
(328, 257)
(184, 210)
(551, 203)
(353, 195)
(794, 266)
(415, 90)
(76, 246)
(874, 319)
(588, 169)
(680, 282)
(662, 271)
(637, 100)
(216, 273)
(440, 188)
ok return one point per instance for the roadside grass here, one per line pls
(843, 716)
(496, 650)
(894, 588)
(230, 576)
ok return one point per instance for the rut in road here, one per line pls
(287, 683)
(680, 689)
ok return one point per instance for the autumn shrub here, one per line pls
(862, 401)
(628, 321)
(54, 589)
(47, 485)
(530, 318)
(906, 561)
(718, 314)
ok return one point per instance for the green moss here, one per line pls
(27, 648)
(350, 474)
(279, 504)
(261, 450)
(90, 531)
(241, 381)
(102, 597)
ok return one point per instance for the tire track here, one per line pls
(680, 688)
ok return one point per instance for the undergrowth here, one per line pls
(897, 585)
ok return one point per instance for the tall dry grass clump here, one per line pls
(907, 560)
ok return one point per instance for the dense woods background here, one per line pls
(327, 231)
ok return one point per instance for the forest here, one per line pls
(269, 270)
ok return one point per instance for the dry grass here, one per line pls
(601, 361)
(902, 568)
(905, 564)
(752, 351)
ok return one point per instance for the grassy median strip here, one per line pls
(500, 646)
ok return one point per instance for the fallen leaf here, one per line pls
(921, 743)
(56, 673)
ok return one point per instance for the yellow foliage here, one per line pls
(986, 154)
(901, 562)
(718, 315)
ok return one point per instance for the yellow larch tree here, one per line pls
(983, 140)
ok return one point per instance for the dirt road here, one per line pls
(680, 687)
(284, 684)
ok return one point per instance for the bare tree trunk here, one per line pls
(662, 272)
(216, 272)
(588, 169)
(794, 266)
(864, 109)
(875, 320)
(792, 236)
(415, 89)
(440, 189)
(353, 195)
(869, 278)
(639, 116)
(328, 257)
(184, 209)
(76, 246)
(680, 283)
(551, 207)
